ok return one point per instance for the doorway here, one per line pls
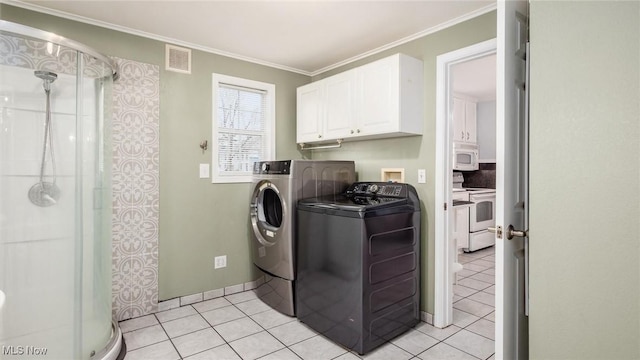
(447, 261)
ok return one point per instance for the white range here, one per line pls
(481, 214)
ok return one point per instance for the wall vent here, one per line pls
(177, 59)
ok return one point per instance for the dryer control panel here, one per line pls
(272, 167)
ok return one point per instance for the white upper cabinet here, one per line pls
(377, 100)
(339, 107)
(464, 120)
(379, 86)
(310, 107)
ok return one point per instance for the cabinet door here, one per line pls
(459, 130)
(339, 119)
(471, 122)
(309, 120)
(378, 97)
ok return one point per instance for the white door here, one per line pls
(511, 180)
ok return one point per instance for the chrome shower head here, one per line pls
(47, 78)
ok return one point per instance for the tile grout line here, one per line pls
(152, 344)
(476, 332)
(246, 315)
(169, 337)
(479, 318)
(223, 339)
(465, 328)
(265, 330)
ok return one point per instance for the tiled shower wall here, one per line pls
(136, 109)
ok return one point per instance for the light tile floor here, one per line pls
(239, 326)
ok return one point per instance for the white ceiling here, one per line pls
(476, 78)
(304, 36)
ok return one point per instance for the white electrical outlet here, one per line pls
(422, 176)
(220, 261)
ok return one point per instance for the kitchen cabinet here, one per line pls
(486, 116)
(464, 120)
(377, 100)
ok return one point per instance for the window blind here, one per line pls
(241, 114)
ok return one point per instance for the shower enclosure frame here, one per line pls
(115, 347)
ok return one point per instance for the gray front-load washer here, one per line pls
(277, 187)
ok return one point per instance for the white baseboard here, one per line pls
(426, 317)
(207, 295)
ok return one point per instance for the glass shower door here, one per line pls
(94, 175)
(37, 241)
(55, 201)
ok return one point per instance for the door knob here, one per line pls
(511, 232)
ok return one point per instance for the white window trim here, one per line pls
(270, 124)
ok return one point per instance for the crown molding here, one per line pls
(165, 39)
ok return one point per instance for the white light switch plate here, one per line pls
(422, 176)
(204, 171)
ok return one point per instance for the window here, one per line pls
(243, 127)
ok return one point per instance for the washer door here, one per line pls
(268, 213)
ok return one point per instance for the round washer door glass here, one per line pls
(270, 207)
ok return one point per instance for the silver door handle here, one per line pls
(511, 232)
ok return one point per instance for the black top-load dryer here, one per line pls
(358, 269)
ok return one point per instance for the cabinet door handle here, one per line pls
(352, 131)
(462, 135)
(319, 136)
(467, 136)
(358, 131)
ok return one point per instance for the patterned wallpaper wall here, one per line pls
(136, 109)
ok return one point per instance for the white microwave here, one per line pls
(465, 157)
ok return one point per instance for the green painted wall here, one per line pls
(198, 220)
(416, 152)
(585, 180)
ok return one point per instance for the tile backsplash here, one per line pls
(485, 177)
